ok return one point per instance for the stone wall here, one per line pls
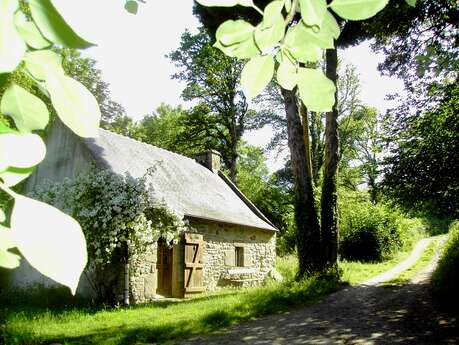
(143, 277)
(221, 240)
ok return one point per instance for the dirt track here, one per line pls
(362, 314)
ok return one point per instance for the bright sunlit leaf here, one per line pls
(51, 241)
(256, 75)
(316, 90)
(301, 44)
(21, 150)
(357, 9)
(53, 26)
(313, 11)
(412, 3)
(131, 6)
(75, 105)
(28, 111)
(330, 26)
(12, 176)
(42, 63)
(243, 50)
(286, 75)
(7, 259)
(271, 30)
(29, 32)
(271, 13)
(226, 3)
(12, 46)
(268, 37)
(234, 31)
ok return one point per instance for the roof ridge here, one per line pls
(149, 145)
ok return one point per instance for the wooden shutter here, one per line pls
(194, 246)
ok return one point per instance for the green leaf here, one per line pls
(7, 259)
(330, 26)
(287, 76)
(12, 176)
(29, 32)
(241, 50)
(53, 26)
(316, 90)
(256, 74)
(234, 31)
(12, 47)
(271, 13)
(303, 45)
(226, 3)
(267, 37)
(412, 3)
(313, 11)
(75, 105)
(21, 150)
(288, 5)
(357, 9)
(6, 238)
(28, 111)
(51, 241)
(131, 6)
(42, 63)
(5, 129)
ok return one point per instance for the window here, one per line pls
(239, 256)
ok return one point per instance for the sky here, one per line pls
(131, 53)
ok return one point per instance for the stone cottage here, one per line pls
(230, 241)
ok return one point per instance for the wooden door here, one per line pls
(194, 263)
(164, 269)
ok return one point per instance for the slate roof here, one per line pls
(185, 185)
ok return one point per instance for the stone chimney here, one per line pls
(210, 159)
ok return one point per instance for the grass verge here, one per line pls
(426, 257)
(445, 279)
(157, 322)
(354, 272)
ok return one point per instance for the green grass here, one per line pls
(355, 272)
(420, 264)
(160, 321)
(445, 279)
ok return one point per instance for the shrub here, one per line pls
(370, 232)
(113, 210)
(286, 238)
(445, 279)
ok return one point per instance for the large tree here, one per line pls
(422, 49)
(176, 129)
(293, 34)
(213, 82)
(421, 170)
(317, 240)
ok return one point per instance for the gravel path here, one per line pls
(364, 314)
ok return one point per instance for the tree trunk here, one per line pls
(234, 157)
(307, 143)
(308, 228)
(372, 176)
(329, 205)
(316, 146)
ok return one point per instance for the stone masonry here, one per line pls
(257, 254)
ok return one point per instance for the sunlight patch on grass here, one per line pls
(426, 257)
(159, 322)
(355, 272)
